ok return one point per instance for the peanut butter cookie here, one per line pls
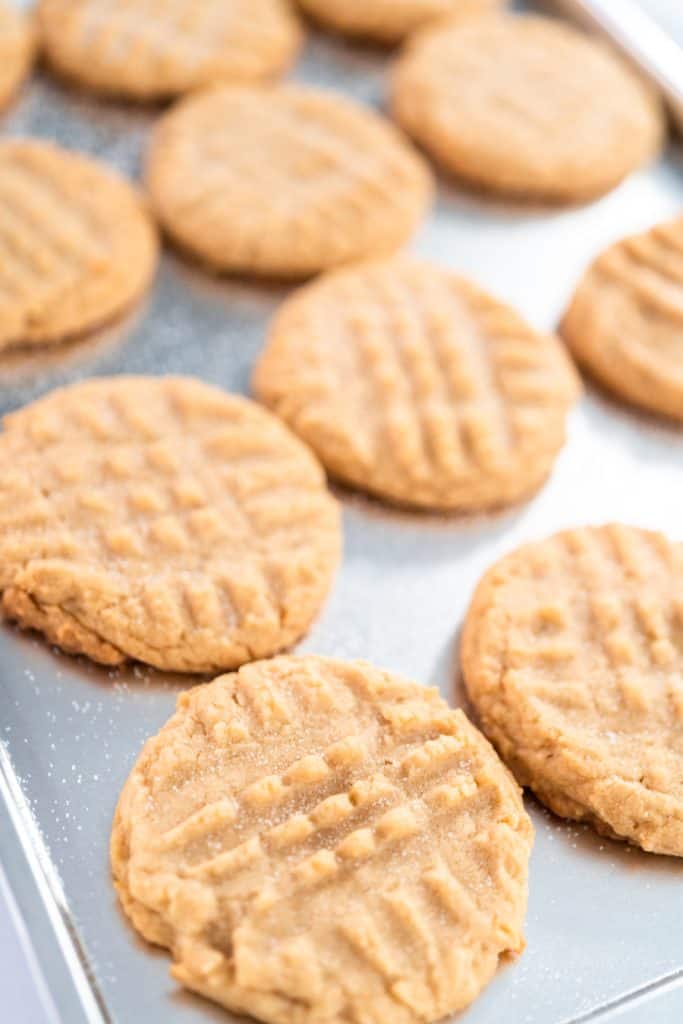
(625, 321)
(151, 49)
(318, 840)
(389, 21)
(526, 106)
(573, 657)
(78, 245)
(164, 520)
(283, 182)
(413, 384)
(17, 50)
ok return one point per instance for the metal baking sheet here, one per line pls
(604, 932)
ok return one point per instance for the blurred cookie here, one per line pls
(414, 384)
(283, 182)
(318, 840)
(389, 21)
(17, 49)
(526, 106)
(572, 656)
(151, 49)
(161, 519)
(625, 321)
(79, 246)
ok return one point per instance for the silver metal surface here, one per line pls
(604, 920)
(635, 31)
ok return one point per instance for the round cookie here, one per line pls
(624, 323)
(389, 21)
(17, 50)
(318, 840)
(160, 519)
(572, 654)
(499, 102)
(413, 384)
(78, 245)
(151, 49)
(283, 182)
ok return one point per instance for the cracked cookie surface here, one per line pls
(572, 655)
(497, 101)
(151, 49)
(414, 384)
(319, 840)
(17, 50)
(78, 245)
(163, 520)
(389, 21)
(625, 321)
(284, 181)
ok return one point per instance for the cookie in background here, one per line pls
(416, 385)
(83, 246)
(156, 49)
(389, 21)
(18, 45)
(624, 323)
(283, 181)
(527, 107)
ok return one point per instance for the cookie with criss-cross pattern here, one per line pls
(151, 49)
(160, 519)
(573, 657)
(283, 182)
(17, 49)
(526, 106)
(318, 840)
(625, 321)
(390, 21)
(78, 244)
(414, 384)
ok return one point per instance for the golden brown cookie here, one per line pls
(150, 49)
(625, 321)
(17, 49)
(161, 519)
(573, 657)
(413, 384)
(283, 182)
(526, 106)
(389, 21)
(77, 244)
(318, 840)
